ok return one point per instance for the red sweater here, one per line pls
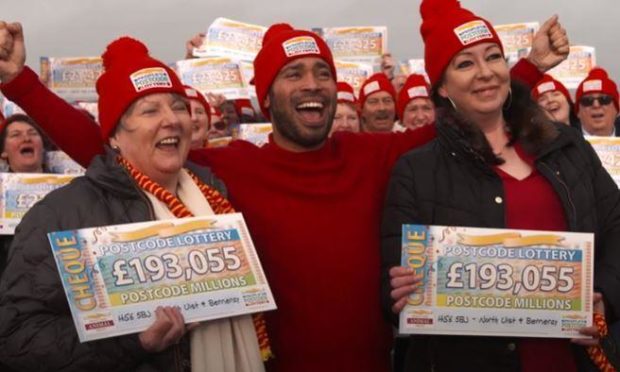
(532, 204)
(314, 218)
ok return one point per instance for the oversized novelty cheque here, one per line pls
(257, 133)
(59, 162)
(217, 75)
(516, 39)
(498, 282)
(20, 191)
(608, 151)
(247, 74)
(354, 73)
(91, 107)
(417, 66)
(73, 79)
(116, 276)
(359, 44)
(228, 38)
(571, 72)
(10, 108)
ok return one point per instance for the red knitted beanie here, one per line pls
(130, 73)
(243, 106)
(194, 94)
(281, 45)
(446, 30)
(597, 81)
(415, 87)
(346, 94)
(376, 83)
(549, 84)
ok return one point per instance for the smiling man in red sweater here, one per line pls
(312, 202)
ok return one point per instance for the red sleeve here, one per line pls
(525, 72)
(72, 131)
(386, 148)
(409, 140)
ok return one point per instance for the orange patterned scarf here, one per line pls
(220, 205)
(596, 352)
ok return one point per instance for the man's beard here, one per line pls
(285, 123)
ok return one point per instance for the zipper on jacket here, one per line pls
(556, 175)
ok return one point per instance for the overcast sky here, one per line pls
(60, 28)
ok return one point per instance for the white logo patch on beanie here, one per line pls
(473, 31)
(592, 85)
(149, 78)
(346, 96)
(546, 87)
(247, 111)
(300, 45)
(417, 92)
(371, 88)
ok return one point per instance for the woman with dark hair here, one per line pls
(22, 147)
(497, 162)
(553, 97)
(22, 144)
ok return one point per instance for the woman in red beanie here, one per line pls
(201, 117)
(347, 118)
(497, 162)
(414, 106)
(555, 99)
(144, 116)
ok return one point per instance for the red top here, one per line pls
(532, 204)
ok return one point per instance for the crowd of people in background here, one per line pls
(324, 199)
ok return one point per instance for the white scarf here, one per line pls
(223, 345)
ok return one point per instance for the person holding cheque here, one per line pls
(497, 162)
(144, 115)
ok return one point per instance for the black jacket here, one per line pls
(36, 329)
(447, 183)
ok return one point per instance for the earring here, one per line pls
(452, 103)
(508, 101)
(116, 149)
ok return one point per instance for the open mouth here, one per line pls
(597, 116)
(27, 151)
(168, 143)
(552, 107)
(312, 112)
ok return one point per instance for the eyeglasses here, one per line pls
(588, 101)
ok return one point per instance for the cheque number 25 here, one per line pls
(531, 278)
(154, 268)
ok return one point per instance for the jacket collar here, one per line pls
(105, 172)
(566, 138)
